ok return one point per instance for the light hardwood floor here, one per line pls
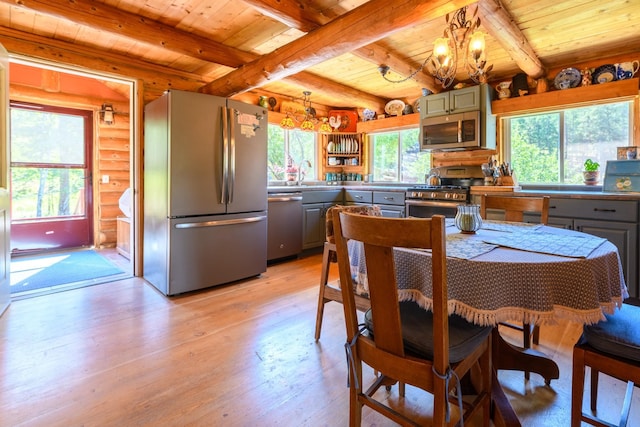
(121, 354)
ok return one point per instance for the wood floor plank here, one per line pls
(121, 354)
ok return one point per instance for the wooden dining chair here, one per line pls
(611, 347)
(331, 291)
(513, 209)
(402, 341)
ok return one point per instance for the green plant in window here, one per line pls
(591, 166)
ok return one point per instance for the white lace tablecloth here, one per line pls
(490, 282)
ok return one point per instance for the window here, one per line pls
(291, 151)
(48, 165)
(396, 157)
(551, 147)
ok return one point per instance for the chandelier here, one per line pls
(461, 37)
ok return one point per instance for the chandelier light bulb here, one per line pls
(477, 45)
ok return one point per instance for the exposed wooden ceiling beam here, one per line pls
(499, 23)
(296, 15)
(291, 13)
(156, 77)
(359, 99)
(344, 34)
(108, 18)
(380, 56)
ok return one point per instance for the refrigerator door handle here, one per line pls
(232, 152)
(223, 222)
(225, 155)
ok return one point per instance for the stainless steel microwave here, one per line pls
(451, 132)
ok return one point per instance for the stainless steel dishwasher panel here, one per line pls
(284, 225)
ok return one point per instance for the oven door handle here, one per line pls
(433, 203)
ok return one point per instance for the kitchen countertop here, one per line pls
(573, 194)
(580, 192)
(322, 186)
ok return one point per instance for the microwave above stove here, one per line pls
(461, 131)
(452, 131)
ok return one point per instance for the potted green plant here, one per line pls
(591, 173)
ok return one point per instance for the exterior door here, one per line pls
(5, 198)
(51, 197)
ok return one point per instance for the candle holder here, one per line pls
(468, 219)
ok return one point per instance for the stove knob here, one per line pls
(447, 195)
(433, 195)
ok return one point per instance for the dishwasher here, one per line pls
(284, 225)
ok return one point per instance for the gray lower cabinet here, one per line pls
(358, 197)
(314, 209)
(316, 203)
(614, 220)
(391, 203)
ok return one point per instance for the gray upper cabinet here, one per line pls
(455, 101)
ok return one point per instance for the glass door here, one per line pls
(51, 190)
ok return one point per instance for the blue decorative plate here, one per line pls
(568, 78)
(604, 74)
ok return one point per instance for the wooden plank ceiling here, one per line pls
(331, 47)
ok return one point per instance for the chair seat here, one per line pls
(417, 332)
(618, 335)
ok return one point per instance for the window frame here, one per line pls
(314, 159)
(505, 133)
(371, 141)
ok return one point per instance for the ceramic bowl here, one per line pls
(604, 74)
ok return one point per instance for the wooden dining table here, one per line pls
(507, 272)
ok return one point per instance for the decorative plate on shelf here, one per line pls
(416, 106)
(394, 108)
(568, 78)
(604, 74)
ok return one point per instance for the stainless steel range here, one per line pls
(424, 201)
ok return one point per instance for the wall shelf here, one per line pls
(584, 95)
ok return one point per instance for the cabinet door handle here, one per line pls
(603, 210)
(552, 207)
(357, 197)
(389, 198)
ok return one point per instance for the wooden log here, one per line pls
(500, 25)
(118, 21)
(344, 34)
(156, 78)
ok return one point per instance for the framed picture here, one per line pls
(627, 153)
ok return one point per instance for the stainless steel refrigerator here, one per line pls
(205, 191)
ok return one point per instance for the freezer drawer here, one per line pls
(210, 251)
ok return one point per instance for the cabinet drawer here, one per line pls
(388, 198)
(358, 196)
(321, 196)
(610, 210)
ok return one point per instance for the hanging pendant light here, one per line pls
(287, 122)
(307, 123)
(325, 127)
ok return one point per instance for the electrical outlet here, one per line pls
(105, 179)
